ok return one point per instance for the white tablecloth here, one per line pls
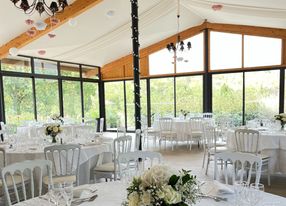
(114, 193)
(272, 143)
(88, 157)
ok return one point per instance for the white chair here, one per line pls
(65, 160)
(121, 131)
(248, 164)
(149, 132)
(248, 141)
(166, 131)
(101, 125)
(19, 180)
(131, 162)
(138, 139)
(195, 130)
(109, 169)
(210, 145)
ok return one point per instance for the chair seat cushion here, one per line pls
(218, 150)
(17, 179)
(197, 133)
(60, 179)
(168, 133)
(106, 167)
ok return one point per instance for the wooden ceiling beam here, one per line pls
(76, 8)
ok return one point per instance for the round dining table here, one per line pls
(89, 155)
(114, 193)
(272, 143)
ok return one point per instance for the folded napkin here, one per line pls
(222, 189)
(84, 191)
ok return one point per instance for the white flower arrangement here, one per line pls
(159, 187)
(282, 118)
(57, 118)
(53, 130)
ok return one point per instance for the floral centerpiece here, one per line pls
(57, 118)
(184, 113)
(282, 118)
(53, 130)
(159, 187)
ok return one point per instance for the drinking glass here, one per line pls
(68, 188)
(239, 189)
(57, 194)
(254, 193)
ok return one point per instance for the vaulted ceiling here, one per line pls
(99, 38)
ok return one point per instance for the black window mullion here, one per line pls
(81, 93)
(243, 98)
(148, 102)
(34, 88)
(60, 86)
(282, 90)
(125, 106)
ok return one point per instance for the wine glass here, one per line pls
(57, 194)
(254, 193)
(68, 188)
(239, 189)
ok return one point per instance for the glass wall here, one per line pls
(114, 104)
(18, 98)
(227, 97)
(30, 88)
(72, 100)
(189, 94)
(162, 96)
(91, 100)
(261, 94)
(47, 98)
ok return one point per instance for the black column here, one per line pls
(136, 69)
(207, 77)
(149, 122)
(34, 89)
(60, 91)
(282, 90)
(101, 93)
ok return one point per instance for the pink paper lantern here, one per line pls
(29, 21)
(42, 52)
(217, 7)
(52, 36)
(54, 21)
(31, 32)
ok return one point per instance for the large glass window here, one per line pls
(261, 94)
(47, 98)
(193, 59)
(45, 67)
(161, 62)
(114, 104)
(227, 96)
(162, 96)
(262, 51)
(130, 102)
(225, 50)
(72, 100)
(69, 70)
(16, 64)
(189, 94)
(18, 97)
(91, 100)
(89, 72)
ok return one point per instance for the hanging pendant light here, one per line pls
(179, 45)
(29, 6)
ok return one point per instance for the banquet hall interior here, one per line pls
(143, 102)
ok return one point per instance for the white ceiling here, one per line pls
(99, 39)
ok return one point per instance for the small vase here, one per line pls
(54, 140)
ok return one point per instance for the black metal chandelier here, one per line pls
(41, 6)
(179, 45)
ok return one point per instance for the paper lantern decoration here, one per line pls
(42, 52)
(29, 22)
(31, 32)
(52, 36)
(13, 51)
(54, 21)
(217, 7)
(72, 22)
(40, 25)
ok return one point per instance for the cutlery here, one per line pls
(79, 201)
(215, 198)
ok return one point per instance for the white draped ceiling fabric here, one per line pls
(99, 39)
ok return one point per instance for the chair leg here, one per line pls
(204, 159)
(160, 144)
(268, 173)
(208, 162)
